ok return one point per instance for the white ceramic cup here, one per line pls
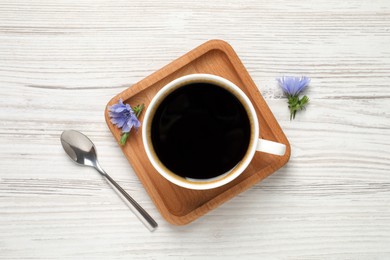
(255, 143)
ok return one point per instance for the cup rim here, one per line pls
(218, 180)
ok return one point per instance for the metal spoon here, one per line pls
(82, 151)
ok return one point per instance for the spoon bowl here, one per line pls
(79, 148)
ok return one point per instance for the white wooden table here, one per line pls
(61, 61)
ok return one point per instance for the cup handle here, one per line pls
(270, 147)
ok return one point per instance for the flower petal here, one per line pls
(292, 86)
(127, 127)
(121, 121)
(113, 114)
(135, 122)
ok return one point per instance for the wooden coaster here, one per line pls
(180, 206)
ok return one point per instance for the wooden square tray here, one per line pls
(180, 206)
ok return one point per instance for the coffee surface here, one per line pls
(200, 131)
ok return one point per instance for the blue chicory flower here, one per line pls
(292, 86)
(123, 116)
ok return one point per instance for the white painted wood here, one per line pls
(61, 61)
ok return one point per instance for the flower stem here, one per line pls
(124, 138)
(138, 109)
(295, 104)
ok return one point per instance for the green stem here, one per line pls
(138, 109)
(124, 138)
(295, 104)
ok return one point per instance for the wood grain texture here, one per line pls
(62, 61)
(180, 206)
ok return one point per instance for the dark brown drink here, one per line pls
(200, 131)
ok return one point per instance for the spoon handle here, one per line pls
(145, 218)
